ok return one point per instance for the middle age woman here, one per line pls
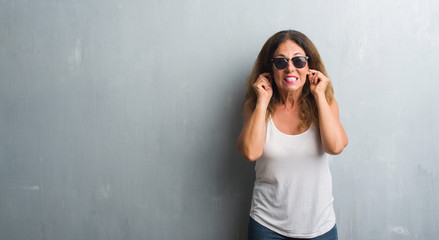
(291, 123)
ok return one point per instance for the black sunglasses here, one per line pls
(282, 63)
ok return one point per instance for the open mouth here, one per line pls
(291, 80)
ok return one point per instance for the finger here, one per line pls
(312, 77)
(265, 76)
(317, 76)
(265, 81)
(317, 73)
(313, 71)
(263, 85)
(266, 87)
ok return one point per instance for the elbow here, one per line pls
(250, 157)
(337, 148)
(248, 154)
(335, 151)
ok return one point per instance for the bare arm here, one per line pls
(251, 140)
(252, 137)
(333, 136)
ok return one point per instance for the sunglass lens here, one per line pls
(280, 63)
(299, 62)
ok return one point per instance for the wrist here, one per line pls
(319, 95)
(263, 101)
(263, 105)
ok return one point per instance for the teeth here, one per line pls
(291, 78)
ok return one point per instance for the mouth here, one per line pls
(291, 79)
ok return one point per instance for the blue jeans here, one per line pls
(258, 232)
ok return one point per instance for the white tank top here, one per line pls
(292, 194)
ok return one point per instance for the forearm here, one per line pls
(332, 134)
(252, 138)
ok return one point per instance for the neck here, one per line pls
(290, 99)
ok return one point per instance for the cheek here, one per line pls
(279, 79)
(277, 74)
(303, 71)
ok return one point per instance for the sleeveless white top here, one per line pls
(292, 194)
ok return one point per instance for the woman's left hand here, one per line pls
(318, 82)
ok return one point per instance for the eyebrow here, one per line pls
(282, 55)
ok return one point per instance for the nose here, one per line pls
(290, 66)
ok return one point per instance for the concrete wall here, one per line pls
(118, 119)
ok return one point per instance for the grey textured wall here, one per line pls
(118, 119)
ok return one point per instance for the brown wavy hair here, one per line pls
(308, 108)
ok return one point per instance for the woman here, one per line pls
(291, 124)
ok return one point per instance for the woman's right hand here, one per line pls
(263, 88)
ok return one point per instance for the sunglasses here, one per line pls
(282, 63)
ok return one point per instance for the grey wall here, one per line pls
(118, 119)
